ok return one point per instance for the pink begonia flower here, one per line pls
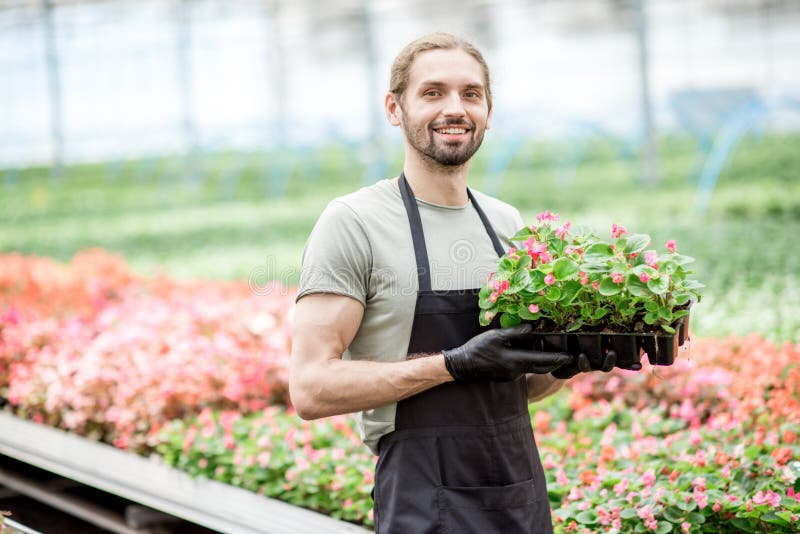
(617, 278)
(595, 285)
(583, 278)
(550, 279)
(562, 230)
(620, 487)
(717, 506)
(649, 478)
(545, 257)
(533, 308)
(512, 253)
(617, 231)
(700, 498)
(493, 296)
(644, 277)
(547, 216)
(561, 478)
(671, 245)
(792, 495)
(651, 258)
(685, 526)
(767, 497)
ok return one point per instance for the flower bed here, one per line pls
(197, 372)
(93, 349)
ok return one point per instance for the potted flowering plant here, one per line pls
(585, 294)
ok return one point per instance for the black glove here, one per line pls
(491, 356)
(582, 364)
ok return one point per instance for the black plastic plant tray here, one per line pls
(659, 347)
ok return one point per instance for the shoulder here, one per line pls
(502, 214)
(365, 202)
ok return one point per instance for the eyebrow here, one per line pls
(436, 83)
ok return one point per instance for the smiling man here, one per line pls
(386, 322)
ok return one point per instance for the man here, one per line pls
(386, 321)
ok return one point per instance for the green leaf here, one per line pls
(595, 267)
(523, 234)
(552, 294)
(599, 313)
(664, 527)
(507, 320)
(537, 281)
(665, 327)
(752, 451)
(485, 292)
(600, 250)
(742, 524)
(686, 506)
(636, 243)
(564, 268)
(587, 517)
(680, 259)
(674, 514)
(609, 288)
(574, 325)
(638, 288)
(569, 291)
(659, 285)
(696, 518)
(627, 513)
(519, 281)
(525, 313)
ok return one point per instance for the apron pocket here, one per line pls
(493, 509)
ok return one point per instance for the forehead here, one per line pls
(453, 66)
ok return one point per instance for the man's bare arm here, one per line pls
(321, 383)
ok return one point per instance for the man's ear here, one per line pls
(391, 105)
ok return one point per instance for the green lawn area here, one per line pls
(249, 214)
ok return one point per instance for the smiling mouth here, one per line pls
(451, 130)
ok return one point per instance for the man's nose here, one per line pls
(453, 105)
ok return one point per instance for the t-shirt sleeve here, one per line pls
(337, 257)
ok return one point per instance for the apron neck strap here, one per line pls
(418, 236)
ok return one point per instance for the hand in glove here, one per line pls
(491, 356)
(581, 364)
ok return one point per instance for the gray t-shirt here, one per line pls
(361, 247)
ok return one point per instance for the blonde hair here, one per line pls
(401, 67)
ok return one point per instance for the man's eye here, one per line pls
(432, 92)
(472, 94)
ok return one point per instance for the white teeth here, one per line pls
(453, 130)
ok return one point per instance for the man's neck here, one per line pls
(436, 183)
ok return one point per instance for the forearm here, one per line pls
(541, 386)
(338, 386)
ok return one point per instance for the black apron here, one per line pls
(462, 458)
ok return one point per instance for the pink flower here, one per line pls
(595, 285)
(671, 245)
(651, 258)
(644, 277)
(645, 512)
(493, 296)
(717, 506)
(550, 279)
(685, 526)
(583, 278)
(561, 231)
(501, 285)
(700, 498)
(547, 216)
(791, 494)
(512, 253)
(617, 231)
(620, 487)
(545, 257)
(767, 497)
(533, 308)
(617, 278)
(649, 478)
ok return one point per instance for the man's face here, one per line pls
(443, 111)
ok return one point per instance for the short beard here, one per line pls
(439, 154)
